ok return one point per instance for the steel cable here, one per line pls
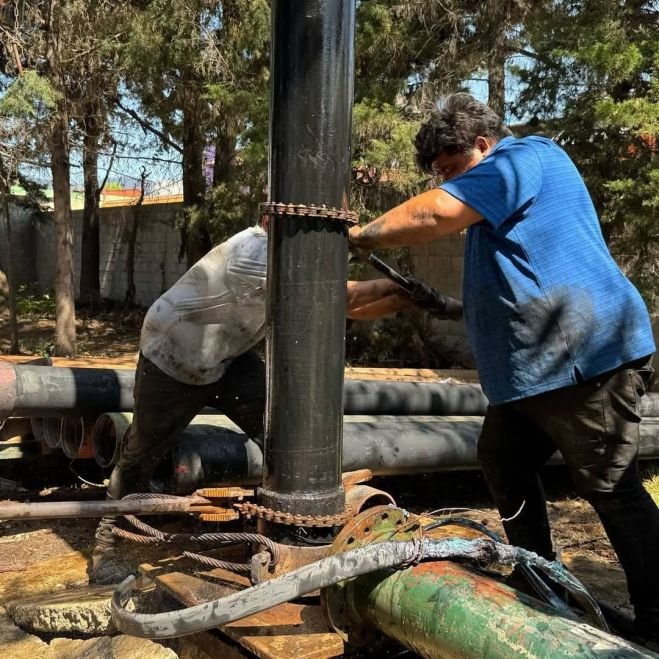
(321, 574)
(240, 568)
(154, 536)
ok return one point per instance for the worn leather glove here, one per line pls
(427, 298)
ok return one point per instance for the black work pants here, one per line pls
(164, 407)
(595, 426)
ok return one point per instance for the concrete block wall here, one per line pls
(22, 231)
(441, 265)
(156, 251)
(157, 267)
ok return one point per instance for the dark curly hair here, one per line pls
(454, 127)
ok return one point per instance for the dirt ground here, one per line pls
(107, 334)
(28, 550)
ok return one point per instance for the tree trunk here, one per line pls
(129, 298)
(9, 273)
(65, 313)
(196, 238)
(225, 152)
(496, 73)
(90, 288)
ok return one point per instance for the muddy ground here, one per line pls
(41, 557)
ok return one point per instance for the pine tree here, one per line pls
(591, 81)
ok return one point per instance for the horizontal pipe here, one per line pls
(27, 390)
(443, 609)
(438, 608)
(107, 436)
(76, 442)
(47, 430)
(107, 507)
(216, 452)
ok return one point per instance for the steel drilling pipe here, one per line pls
(28, 390)
(442, 609)
(311, 92)
(47, 430)
(213, 430)
(76, 441)
(215, 452)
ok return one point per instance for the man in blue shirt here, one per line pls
(562, 339)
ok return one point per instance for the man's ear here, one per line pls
(482, 144)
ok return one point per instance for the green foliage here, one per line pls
(32, 303)
(200, 70)
(28, 96)
(34, 199)
(594, 85)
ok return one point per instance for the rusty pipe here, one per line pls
(443, 609)
(105, 508)
(76, 441)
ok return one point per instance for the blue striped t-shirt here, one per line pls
(545, 304)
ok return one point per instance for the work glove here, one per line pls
(427, 298)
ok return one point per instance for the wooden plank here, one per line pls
(126, 361)
(285, 631)
(352, 372)
(410, 374)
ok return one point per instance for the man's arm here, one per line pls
(367, 300)
(421, 219)
(383, 307)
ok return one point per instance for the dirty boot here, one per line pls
(105, 565)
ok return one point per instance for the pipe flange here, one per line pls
(309, 210)
(249, 510)
(378, 524)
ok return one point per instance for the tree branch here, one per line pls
(530, 54)
(99, 192)
(147, 127)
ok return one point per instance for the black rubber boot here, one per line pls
(647, 628)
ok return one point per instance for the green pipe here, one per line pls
(442, 609)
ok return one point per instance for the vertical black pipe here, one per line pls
(310, 124)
